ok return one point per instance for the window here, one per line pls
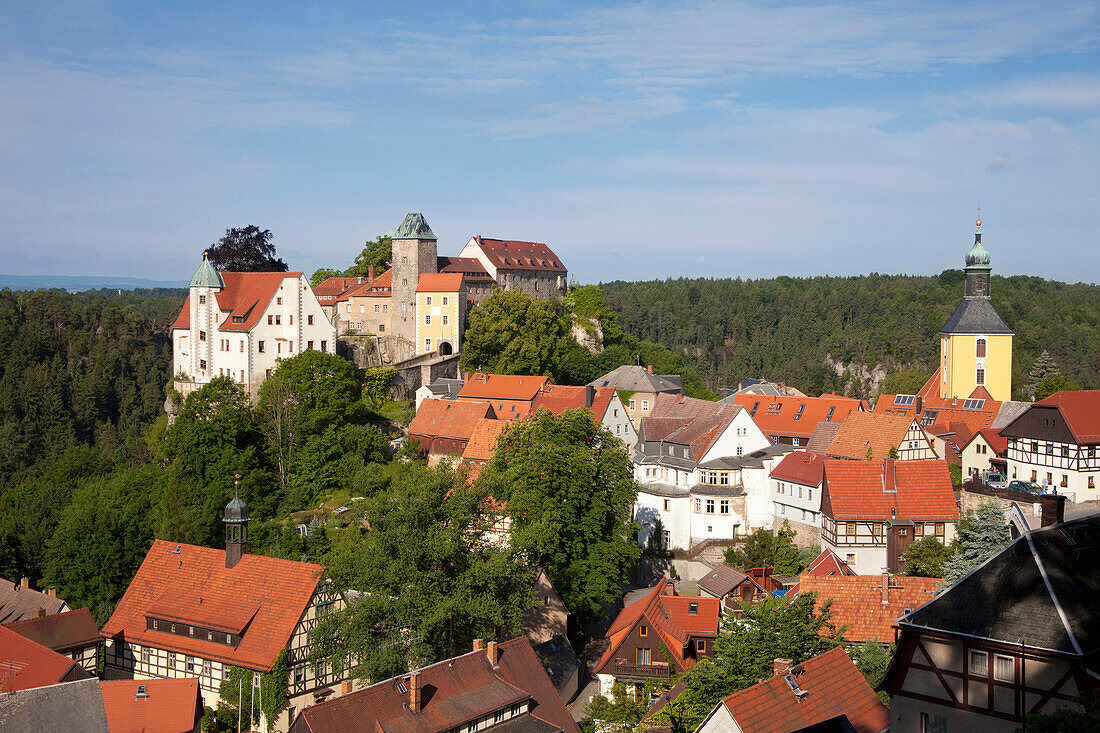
(324, 346)
(309, 345)
(202, 300)
(404, 260)
(1004, 668)
(631, 405)
(643, 630)
(202, 364)
(698, 506)
(939, 530)
(445, 320)
(427, 300)
(171, 660)
(404, 281)
(700, 646)
(980, 350)
(849, 528)
(667, 503)
(850, 558)
(645, 405)
(189, 664)
(810, 494)
(145, 655)
(446, 300)
(242, 347)
(191, 630)
(1092, 482)
(932, 723)
(724, 506)
(362, 309)
(498, 716)
(202, 335)
(347, 308)
(385, 307)
(710, 506)
(278, 301)
(740, 450)
(271, 319)
(375, 307)
(427, 320)
(206, 667)
(309, 320)
(260, 346)
(979, 377)
(427, 344)
(979, 663)
(693, 607)
(299, 674)
(642, 656)
(381, 328)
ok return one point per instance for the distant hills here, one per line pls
(75, 283)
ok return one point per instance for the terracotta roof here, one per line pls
(884, 490)
(194, 586)
(800, 467)
(471, 267)
(34, 664)
(17, 602)
(829, 563)
(834, 687)
(379, 287)
(440, 282)
(795, 416)
(333, 286)
(483, 440)
(246, 295)
(956, 435)
(857, 602)
(449, 418)
(507, 254)
(559, 398)
(483, 386)
(670, 616)
(932, 408)
(169, 705)
(861, 430)
(1081, 411)
(60, 631)
(996, 441)
(453, 692)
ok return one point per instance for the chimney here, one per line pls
(25, 582)
(479, 644)
(885, 588)
(1053, 509)
(889, 476)
(370, 271)
(589, 395)
(492, 652)
(414, 692)
(650, 368)
(781, 666)
(52, 592)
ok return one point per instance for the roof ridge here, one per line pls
(1053, 596)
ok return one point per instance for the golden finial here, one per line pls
(978, 223)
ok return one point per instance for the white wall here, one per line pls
(742, 432)
(676, 518)
(618, 423)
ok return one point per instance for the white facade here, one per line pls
(976, 456)
(617, 422)
(1068, 468)
(796, 502)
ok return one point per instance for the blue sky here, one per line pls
(639, 139)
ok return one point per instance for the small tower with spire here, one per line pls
(235, 519)
(977, 267)
(203, 304)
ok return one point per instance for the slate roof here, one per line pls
(510, 254)
(835, 687)
(1008, 412)
(448, 418)
(976, 316)
(446, 389)
(559, 660)
(801, 467)
(440, 282)
(723, 579)
(61, 632)
(483, 386)
(857, 601)
(1042, 589)
(72, 707)
(194, 586)
(885, 490)
(483, 440)
(795, 416)
(34, 664)
(633, 378)
(245, 295)
(17, 602)
(454, 691)
(755, 459)
(171, 705)
(861, 430)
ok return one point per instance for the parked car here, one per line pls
(994, 479)
(1025, 486)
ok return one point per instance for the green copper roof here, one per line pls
(206, 276)
(978, 255)
(414, 227)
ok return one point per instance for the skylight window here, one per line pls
(800, 409)
(829, 414)
(902, 400)
(973, 404)
(755, 407)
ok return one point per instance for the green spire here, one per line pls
(414, 227)
(206, 276)
(978, 256)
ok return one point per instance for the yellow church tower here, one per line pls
(976, 343)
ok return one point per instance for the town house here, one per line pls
(790, 420)
(985, 451)
(510, 395)
(529, 267)
(72, 634)
(732, 588)
(443, 427)
(604, 403)
(869, 435)
(796, 495)
(639, 386)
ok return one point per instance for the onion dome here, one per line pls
(978, 256)
(236, 510)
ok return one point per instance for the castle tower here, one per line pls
(414, 253)
(203, 304)
(976, 343)
(235, 519)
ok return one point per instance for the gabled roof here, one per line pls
(996, 441)
(71, 707)
(723, 579)
(440, 282)
(795, 416)
(863, 430)
(955, 435)
(510, 254)
(453, 692)
(245, 296)
(977, 316)
(857, 601)
(701, 422)
(34, 664)
(169, 705)
(194, 586)
(17, 602)
(633, 378)
(670, 616)
(471, 267)
(559, 398)
(801, 468)
(834, 687)
(1081, 411)
(1008, 412)
(822, 436)
(449, 418)
(1041, 590)
(483, 440)
(885, 490)
(334, 286)
(978, 410)
(483, 386)
(60, 631)
(829, 563)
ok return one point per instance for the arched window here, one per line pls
(980, 350)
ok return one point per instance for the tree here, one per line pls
(1065, 719)
(623, 712)
(981, 535)
(248, 249)
(745, 649)
(513, 333)
(377, 252)
(569, 489)
(905, 381)
(762, 549)
(1044, 367)
(1053, 383)
(322, 274)
(871, 659)
(925, 557)
(376, 385)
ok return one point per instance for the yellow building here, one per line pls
(440, 312)
(976, 343)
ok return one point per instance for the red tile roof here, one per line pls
(883, 490)
(60, 631)
(246, 295)
(482, 386)
(863, 430)
(857, 602)
(471, 267)
(800, 467)
(1081, 411)
(34, 665)
(779, 415)
(697, 423)
(937, 409)
(454, 419)
(440, 282)
(955, 434)
(453, 692)
(507, 254)
(997, 442)
(333, 286)
(834, 687)
(559, 398)
(170, 706)
(829, 563)
(483, 440)
(195, 586)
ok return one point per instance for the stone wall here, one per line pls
(805, 535)
(414, 373)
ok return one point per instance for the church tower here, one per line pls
(976, 343)
(235, 520)
(414, 253)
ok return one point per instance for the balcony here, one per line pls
(659, 670)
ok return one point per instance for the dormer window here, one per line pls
(693, 607)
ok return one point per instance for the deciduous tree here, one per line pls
(377, 252)
(247, 249)
(762, 548)
(926, 557)
(513, 333)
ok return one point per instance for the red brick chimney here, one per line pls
(492, 652)
(1052, 509)
(52, 592)
(885, 588)
(414, 692)
(25, 582)
(650, 368)
(479, 644)
(781, 666)
(370, 271)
